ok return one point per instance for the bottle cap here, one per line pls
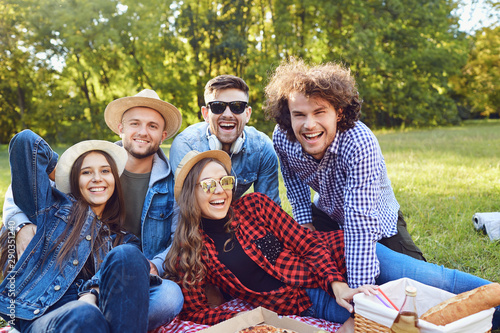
(411, 291)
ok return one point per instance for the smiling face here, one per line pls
(142, 131)
(213, 205)
(227, 127)
(314, 123)
(96, 181)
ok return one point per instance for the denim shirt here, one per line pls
(37, 281)
(256, 164)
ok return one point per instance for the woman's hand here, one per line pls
(344, 294)
(89, 298)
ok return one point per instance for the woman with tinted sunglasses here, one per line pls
(253, 250)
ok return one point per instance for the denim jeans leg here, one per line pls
(67, 315)
(75, 316)
(394, 265)
(165, 302)
(326, 307)
(124, 289)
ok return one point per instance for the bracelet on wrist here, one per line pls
(19, 227)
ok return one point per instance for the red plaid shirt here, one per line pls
(308, 260)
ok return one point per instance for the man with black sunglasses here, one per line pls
(226, 115)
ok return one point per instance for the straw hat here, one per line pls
(189, 161)
(146, 98)
(68, 158)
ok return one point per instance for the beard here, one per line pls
(141, 155)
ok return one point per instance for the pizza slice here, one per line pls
(264, 328)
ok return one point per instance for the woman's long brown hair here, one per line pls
(183, 261)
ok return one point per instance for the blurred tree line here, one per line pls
(63, 61)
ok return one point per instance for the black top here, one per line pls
(236, 260)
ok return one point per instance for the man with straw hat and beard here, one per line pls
(143, 122)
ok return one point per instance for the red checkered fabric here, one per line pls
(180, 326)
(308, 260)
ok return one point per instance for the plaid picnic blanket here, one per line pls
(180, 326)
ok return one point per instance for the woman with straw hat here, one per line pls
(253, 250)
(80, 272)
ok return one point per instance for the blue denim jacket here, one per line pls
(36, 282)
(256, 164)
(156, 219)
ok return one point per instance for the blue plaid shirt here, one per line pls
(353, 189)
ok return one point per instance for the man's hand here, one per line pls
(52, 175)
(344, 294)
(308, 226)
(152, 269)
(24, 237)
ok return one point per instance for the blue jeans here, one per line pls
(123, 300)
(165, 302)
(393, 266)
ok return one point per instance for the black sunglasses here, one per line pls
(218, 107)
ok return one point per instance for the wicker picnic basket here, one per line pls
(363, 325)
(373, 315)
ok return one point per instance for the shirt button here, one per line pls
(36, 311)
(88, 237)
(75, 262)
(57, 288)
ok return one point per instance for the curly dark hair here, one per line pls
(331, 82)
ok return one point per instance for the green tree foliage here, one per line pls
(480, 82)
(63, 61)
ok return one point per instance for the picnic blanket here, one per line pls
(181, 326)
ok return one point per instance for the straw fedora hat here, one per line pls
(68, 158)
(146, 98)
(189, 161)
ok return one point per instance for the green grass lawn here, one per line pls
(441, 177)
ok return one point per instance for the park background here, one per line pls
(430, 87)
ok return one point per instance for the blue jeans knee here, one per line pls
(165, 302)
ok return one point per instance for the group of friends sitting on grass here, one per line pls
(117, 237)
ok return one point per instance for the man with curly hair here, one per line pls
(321, 144)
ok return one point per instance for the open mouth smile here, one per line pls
(227, 126)
(312, 136)
(97, 189)
(141, 141)
(217, 203)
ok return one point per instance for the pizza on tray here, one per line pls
(265, 329)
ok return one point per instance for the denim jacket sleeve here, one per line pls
(31, 161)
(159, 259)
(267, 181)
